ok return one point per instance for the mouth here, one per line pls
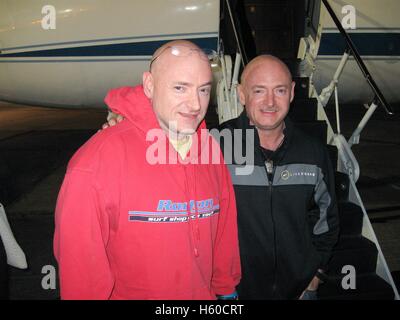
(269, 111)
(189, 116)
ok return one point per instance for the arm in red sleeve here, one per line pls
(227, 271)
(80, 239)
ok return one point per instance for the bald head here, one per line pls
(265, 62)
(159, 58)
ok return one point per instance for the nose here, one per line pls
(270, 99)
(194, 103)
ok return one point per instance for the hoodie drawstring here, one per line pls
(193, 223)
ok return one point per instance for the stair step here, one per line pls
(350, 219)
(368, 287)
(358, 252)
(316, 129)
(304, 110)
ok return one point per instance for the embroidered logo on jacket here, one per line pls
(286, 174)
(169, 211)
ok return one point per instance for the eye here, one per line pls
(280, 91)
(180, 89)
(258, 91)
(205, 91)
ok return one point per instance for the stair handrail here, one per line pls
(379, 97)
(238, 36)
(229, 106)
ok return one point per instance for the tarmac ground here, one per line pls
(36, 144)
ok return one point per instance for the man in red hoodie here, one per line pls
(131, 224)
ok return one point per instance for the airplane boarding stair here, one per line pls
(277, 27)
(352, 249)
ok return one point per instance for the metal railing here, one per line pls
(241, 49)
(379, 98)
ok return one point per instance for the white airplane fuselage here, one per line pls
(99, 45)
(95, 46)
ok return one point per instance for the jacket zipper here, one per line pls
(269, 165)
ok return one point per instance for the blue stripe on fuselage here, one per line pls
(145, 48)
(332, 44)
(368, 44)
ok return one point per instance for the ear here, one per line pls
(242, 96)
(148, 84)
(292, 91)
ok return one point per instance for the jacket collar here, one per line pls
(244, 123)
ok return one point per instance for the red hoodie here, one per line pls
(127, 229)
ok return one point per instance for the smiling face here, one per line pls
(266, 90)
(179, 88)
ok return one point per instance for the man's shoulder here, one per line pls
(104, 146)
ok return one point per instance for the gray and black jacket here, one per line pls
(287, 220)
